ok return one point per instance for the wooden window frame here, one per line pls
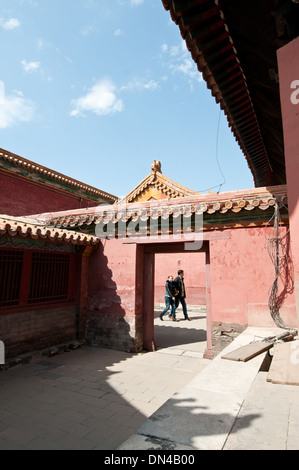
(24, 302)
(11, 269)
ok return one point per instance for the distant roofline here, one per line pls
(53, 175)
(171, 188)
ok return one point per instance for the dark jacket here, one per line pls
(169, 289)
(180, 285)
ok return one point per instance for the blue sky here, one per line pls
(98, 89)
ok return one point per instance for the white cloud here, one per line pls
(178, 61)
(34, 66)
(104, 98)
(101, 99)
(132, 3)
(30, 67)
(176, 51)
(187, 68)
(88, 29)
(10, 24)
(40, 44)
(118, 32)
(152, 85)
(14, 108)
(138, 84)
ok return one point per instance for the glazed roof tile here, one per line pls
(54, 176)
(222, 203)
(164, 184)
(29, 227)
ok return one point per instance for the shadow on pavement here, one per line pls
(96, 399)
(183, 334)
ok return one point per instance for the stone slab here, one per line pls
(284, 367)
(202, 413)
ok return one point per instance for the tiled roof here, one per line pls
(27, 227)
(54, 176)
(234, 45)
(156, 179)
(222, 203)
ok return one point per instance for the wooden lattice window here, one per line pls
(35, 277)
(49, 277)
(10, 277)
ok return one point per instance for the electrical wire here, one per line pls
(277, 246)
(217, 160)
(217, 152)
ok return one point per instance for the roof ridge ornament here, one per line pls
(156, 167)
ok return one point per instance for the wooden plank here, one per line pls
(284, 368)
(245, 353)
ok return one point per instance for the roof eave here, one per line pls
(241, 118)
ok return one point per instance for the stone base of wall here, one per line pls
(223, 334)
(113, 331)
(30, 331)
(35, 356)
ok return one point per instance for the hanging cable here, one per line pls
(277, 249)
(219, 186)
(217, 153)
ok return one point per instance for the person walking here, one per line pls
(181, 297)
(170, 292)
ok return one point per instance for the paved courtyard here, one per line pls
(93, 398)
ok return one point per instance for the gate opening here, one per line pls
(150, 252)
(181, 336)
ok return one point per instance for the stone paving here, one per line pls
(93, 398)
(229, 405)
(267, 420)
(275, 423)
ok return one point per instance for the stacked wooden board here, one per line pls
(284, 367)
(251, 350)
(245, 353)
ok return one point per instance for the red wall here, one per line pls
(288, 66)
(193, 265)
(114, 304)
(22, 197)
(242, 274)
(112, 278)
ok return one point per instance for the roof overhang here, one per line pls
(22, 227)
(21, 167)
(234, 44)
(249, 208)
